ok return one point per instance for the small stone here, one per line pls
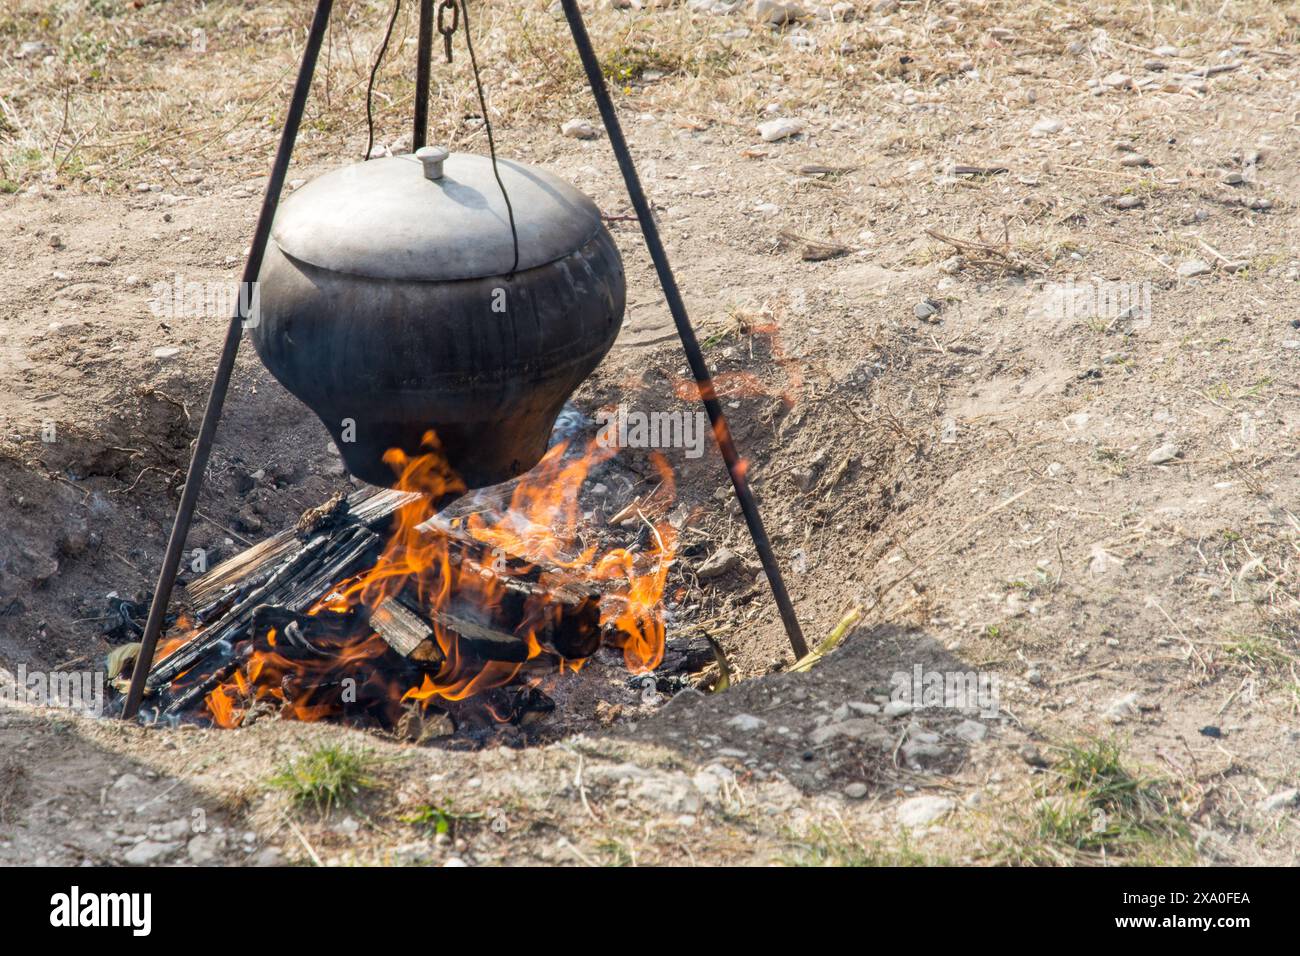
(268, 856)
(247, 522)
(897, 708)
(1210, 730)
(1046, 127)
(165, 352)
(1117, 81)
(715, 7)
(747, 723)
(720, 562)
(1102, 562)
(920, 811)
(579, 129)
(925, 309)
(779, 129)
(919, 752)
(855, 791)
(1233, 179)
(148, 852)
(73, 542)
(1164, 454)
(204, 849)
(1128, 202)
(97, 261)
(1134, 159)
(777, 13)
(971, 731)
(1121, 708)
(1032, 756)
(1194, 267)
(853, 729)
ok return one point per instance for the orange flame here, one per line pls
(427, 562)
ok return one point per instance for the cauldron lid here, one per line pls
(386, 220)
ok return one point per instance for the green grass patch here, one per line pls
(1257, 653)
(329, 777)
(629, 63)
(1093, 804)
(440, 819)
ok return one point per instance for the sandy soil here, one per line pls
(1096, 508)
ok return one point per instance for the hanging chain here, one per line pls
(444, 28)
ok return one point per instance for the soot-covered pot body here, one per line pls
(387, 304)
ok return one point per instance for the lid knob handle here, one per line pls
(432, 157)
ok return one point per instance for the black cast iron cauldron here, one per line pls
(386, 307)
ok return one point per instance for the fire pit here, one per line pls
(381, 610)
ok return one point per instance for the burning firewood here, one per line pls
(406, 633)
(304, 636)
(294, 584)
(388, 601)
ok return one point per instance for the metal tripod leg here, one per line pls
(736, 466)
(225, 366)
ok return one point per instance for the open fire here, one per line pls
(491, 598)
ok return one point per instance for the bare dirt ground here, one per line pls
(1010, 474)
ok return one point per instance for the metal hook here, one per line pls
(443, 28)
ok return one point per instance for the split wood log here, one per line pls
(686, 655)
(282, 572)
(407, 633)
